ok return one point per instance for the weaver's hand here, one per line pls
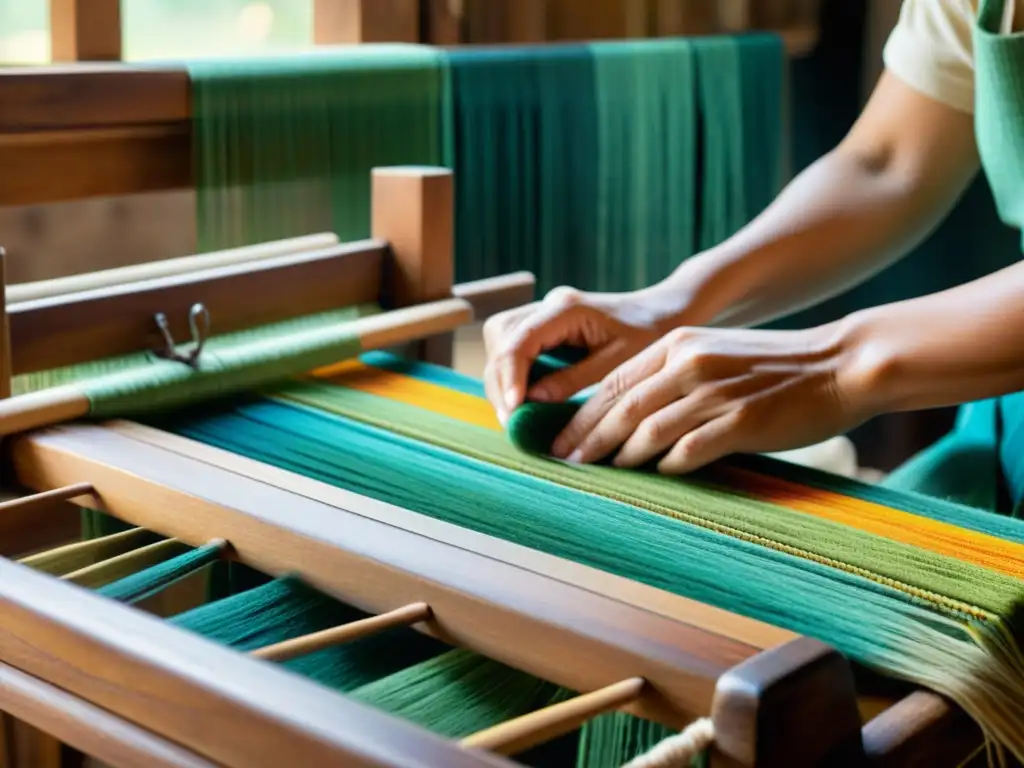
(699, 394)
(613, 327)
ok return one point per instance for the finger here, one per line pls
(707, 443)
(614, 387)
(548, 327)
(565, 383)
(664, 428)
(494, 395)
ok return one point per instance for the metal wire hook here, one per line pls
(198, 322)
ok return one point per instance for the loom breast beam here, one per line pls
(580, 628)
(401, 326)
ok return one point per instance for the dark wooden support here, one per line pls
(794, 706)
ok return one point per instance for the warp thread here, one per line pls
(681, 750)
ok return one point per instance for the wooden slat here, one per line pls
(62, 97)
(87, 728)
(85, 30)
(484, 593)
(233, 710)
(73, 328)
(921, 730)
(59, 165)
(496, 294)
(5, 332)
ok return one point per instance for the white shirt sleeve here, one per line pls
(931, 50)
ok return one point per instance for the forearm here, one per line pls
(953, 347)
(838, 223)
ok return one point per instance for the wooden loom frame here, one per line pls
(652, 653)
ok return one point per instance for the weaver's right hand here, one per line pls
(612, 327)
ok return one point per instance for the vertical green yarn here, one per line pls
(648, 128)
(139, 586)
(601, 166)
(526, 161)
(285, 144)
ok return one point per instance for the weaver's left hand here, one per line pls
(699, 394)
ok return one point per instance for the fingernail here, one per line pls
(576, 457)
(511, 399)
(540, 394)
(502, 418)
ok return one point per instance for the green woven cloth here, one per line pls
(601, 166)
(691, 538)
(285, 144)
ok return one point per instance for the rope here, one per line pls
(681, 750)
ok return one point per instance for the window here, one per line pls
(170, 29)
(165, 29)
(24, 32)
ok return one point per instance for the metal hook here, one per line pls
(199, 323)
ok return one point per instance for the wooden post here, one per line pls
(444, 21)
(414, 212)
(5, 332)
(793, 705)
(344, 22)
(85, 30)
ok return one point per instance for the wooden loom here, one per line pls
(126, 688)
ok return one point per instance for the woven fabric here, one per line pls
(285, 144)
(768, 548)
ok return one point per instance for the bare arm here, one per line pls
(853, 212)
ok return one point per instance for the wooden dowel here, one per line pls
(389, 329)
(46, 500)
(528, 731)
(60, 286)
(329, 638)
(120, 566)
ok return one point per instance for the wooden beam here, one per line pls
(85, 30)
(115, 320)
(340, 22)
(52, 166)
(6, 372)
(590, 629)
(89, 729)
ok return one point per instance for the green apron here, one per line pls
(981, 462)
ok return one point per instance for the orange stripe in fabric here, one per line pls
(968, 546)
(438, 399)
(980, 549)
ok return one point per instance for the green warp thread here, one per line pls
(600, 165)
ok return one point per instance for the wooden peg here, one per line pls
(793, 705)
(523, 733)
(40, 502)
(347, 633)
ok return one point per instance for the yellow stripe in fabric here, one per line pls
(438, 399)
(972, 547)
(968, 546)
